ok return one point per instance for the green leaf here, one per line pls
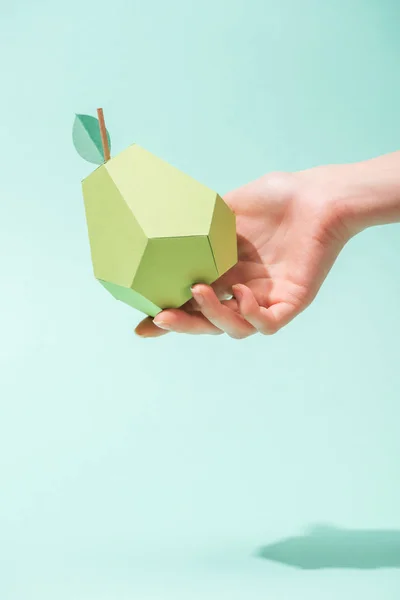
(87, 139)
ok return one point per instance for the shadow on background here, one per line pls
(325, 547)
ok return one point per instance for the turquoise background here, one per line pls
(154, 469)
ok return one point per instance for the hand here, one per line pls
(289, 235)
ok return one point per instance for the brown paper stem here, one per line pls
(103, 133)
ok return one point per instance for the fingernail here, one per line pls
(162, 324)
(198, 297)
(238, 294)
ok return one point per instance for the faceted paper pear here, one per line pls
(155, 231)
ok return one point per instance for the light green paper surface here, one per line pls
(87, 139)
(116, 240)
(223, 236)
(165, 201)
(134, 195)
(132, 298)
(171, 265)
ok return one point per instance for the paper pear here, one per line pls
(155, 231)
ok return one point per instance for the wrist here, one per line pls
(372, 193)
(352, 201)
(358, 196)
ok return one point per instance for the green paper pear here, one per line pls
(153, 230)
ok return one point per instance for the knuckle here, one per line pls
(211, 312)
(248, 315)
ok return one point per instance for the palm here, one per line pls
(283, 256)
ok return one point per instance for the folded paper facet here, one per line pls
(155, 231)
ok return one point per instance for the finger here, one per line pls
(185, 322)
(147, 329)
(231, 303)
(265, 320)
(222, 294)
(220, 315)
(170, 321)
(175, 320)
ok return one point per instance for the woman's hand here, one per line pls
(290, 227)
(289, 235)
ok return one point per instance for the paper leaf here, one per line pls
(87, 139)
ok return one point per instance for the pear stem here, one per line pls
(103, 133)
